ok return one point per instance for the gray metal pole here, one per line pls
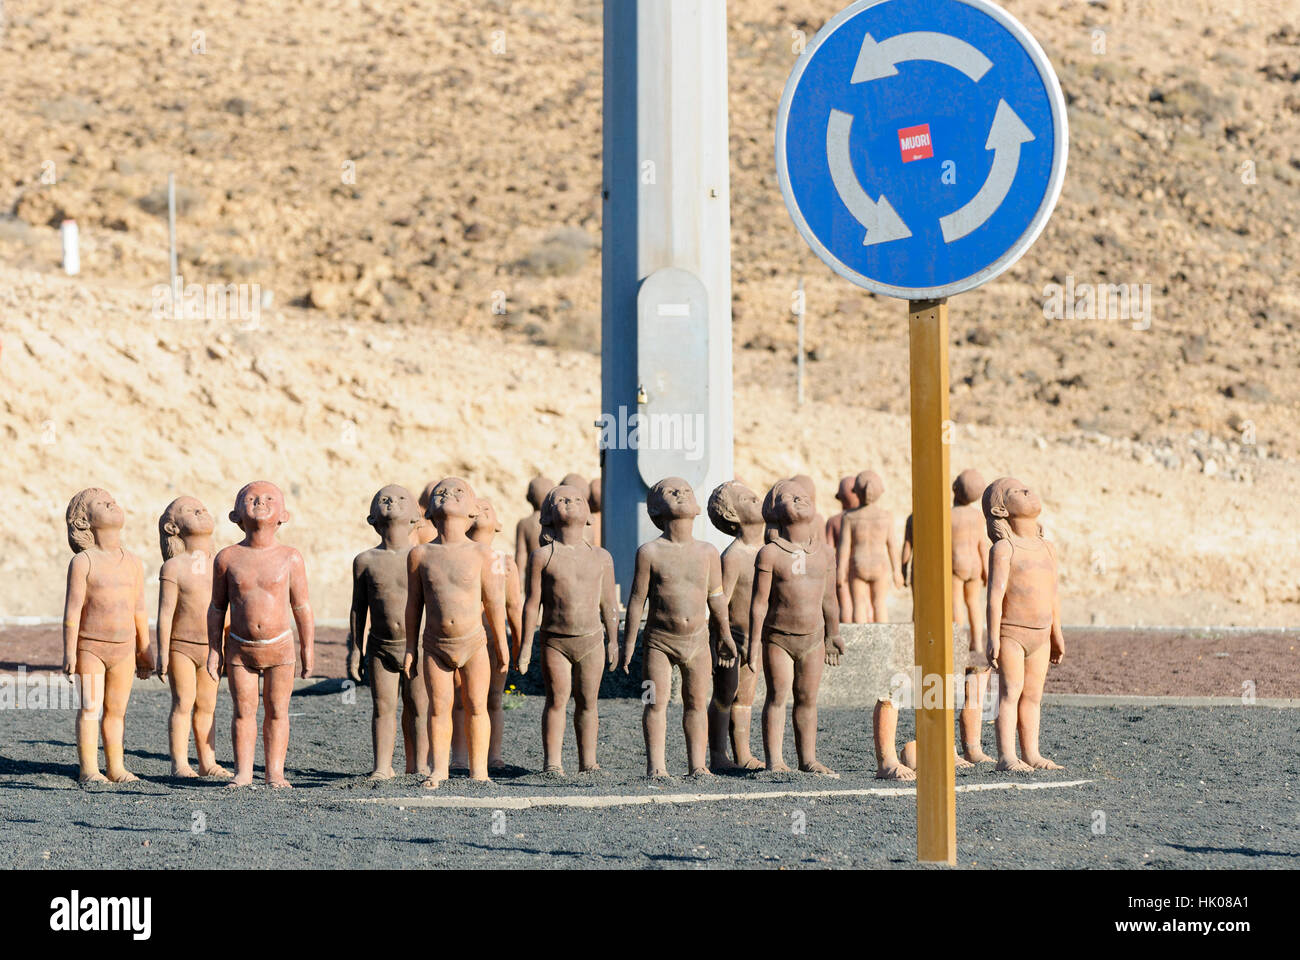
(803, 310)
(666, 263)
(171, 223)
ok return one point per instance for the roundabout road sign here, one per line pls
(921, 144)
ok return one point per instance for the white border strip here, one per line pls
(630, 800)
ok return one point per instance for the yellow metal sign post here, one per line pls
(936, 807)
(868, 171)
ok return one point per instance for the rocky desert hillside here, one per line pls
(382, 169)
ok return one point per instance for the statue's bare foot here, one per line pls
(496, 763)
(123, 776)
(421, 771)
(278, 783)
(961, 762)
(975, 755)
(381, 774)
(185, 771)
(659, 773)
(1042, 763)
(722, 762)
(483, 779)
(1014, 765)
(588, 768)
(214, 770)
(778, 767)
(553, 770)
(700, 772)
(894, 770)
(241, 780)
(752, 763)
(95, 777)
(818, 768)
(431, 782)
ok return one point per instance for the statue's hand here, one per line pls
(834, 650)
(727, 652)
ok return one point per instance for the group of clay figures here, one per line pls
(771, 601)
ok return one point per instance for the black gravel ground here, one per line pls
(1172, 787)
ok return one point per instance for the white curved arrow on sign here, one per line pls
(877, 60)
(1006, 135)
(882, 223)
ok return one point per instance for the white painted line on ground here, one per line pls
(1126, 700)
(524, 803)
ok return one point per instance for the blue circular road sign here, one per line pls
(921, 144)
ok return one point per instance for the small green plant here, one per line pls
(512, 698)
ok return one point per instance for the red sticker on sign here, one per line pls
(914, 142)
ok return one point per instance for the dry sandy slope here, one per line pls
(478, 172)
(477, 168)
(95, 391)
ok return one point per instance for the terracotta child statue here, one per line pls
(736, 510)
(184, 595)
(424, 531)
(486, 527)
(867, 553)
(595, 502)
(795, 613)
(261, 582)
(970, 572)
(450, 586)
(528, 531)
(571, 588)
(682, 579)
(819, 522)
(1024, 619)
(580, 483)
(848, 501)
(358, 663)
(970, 549)
(379, 598)
(105, 630)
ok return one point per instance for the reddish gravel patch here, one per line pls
(41, 648)
(1145, 662)
(1175, 662)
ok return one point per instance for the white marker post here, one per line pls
(71, 247)
(171, 223)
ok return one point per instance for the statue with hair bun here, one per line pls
(1024, 619)
(184, 595)
(105, 630)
